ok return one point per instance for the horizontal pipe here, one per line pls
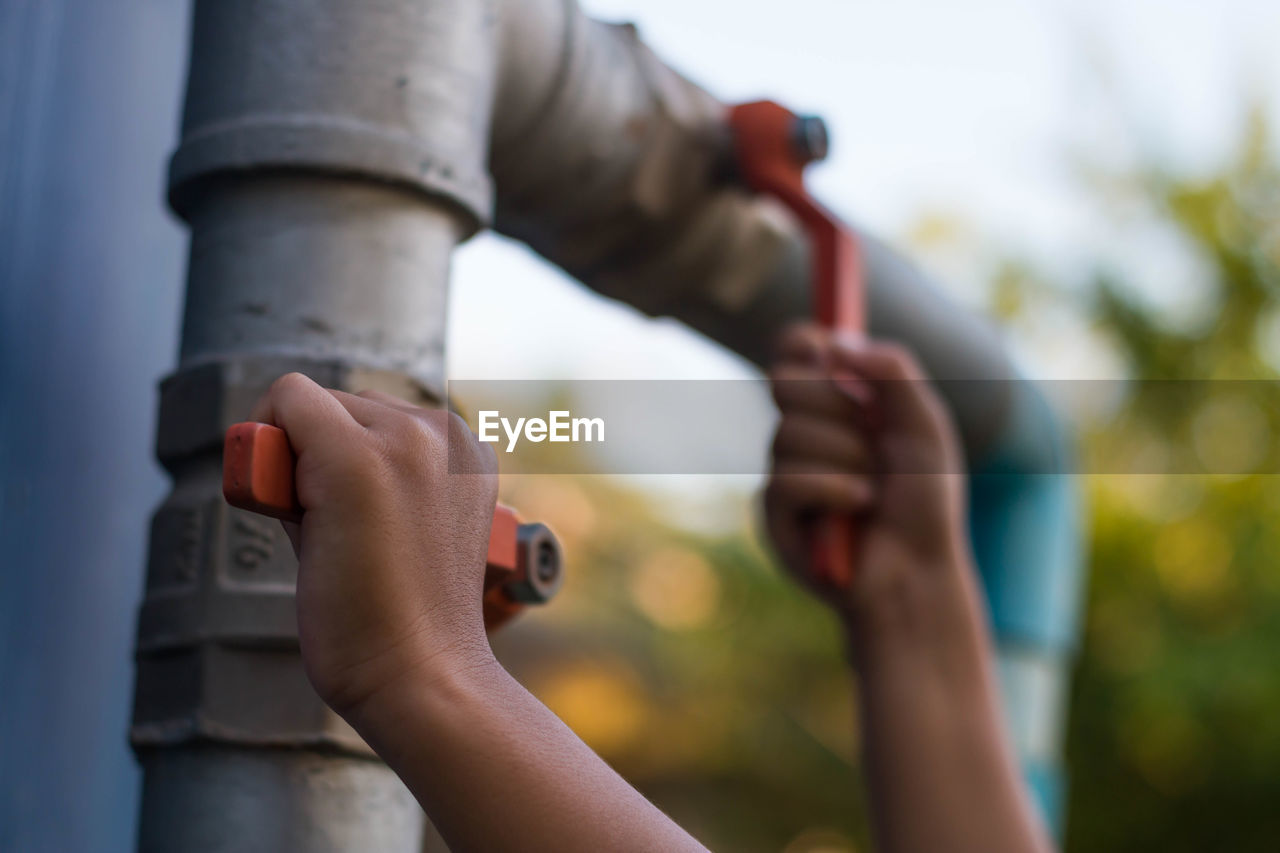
(610, 164)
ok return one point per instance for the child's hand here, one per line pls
(397, 504)
(864, 435)
(391, 547)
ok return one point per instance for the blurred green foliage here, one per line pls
(1174, 731)
(695, 669)
(719, 689)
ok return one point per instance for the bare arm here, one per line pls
(941, 774)
(496, 770)
(397, 504)
(863, 434)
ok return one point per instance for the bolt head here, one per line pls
(539, 565)
(809, 138)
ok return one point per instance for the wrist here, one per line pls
(928, 621)
(437, 682)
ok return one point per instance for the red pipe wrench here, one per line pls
(771, 147)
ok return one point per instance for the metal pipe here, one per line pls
(610, 164)
(330, 160)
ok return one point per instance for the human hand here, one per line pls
(864, 435)
(392, 542)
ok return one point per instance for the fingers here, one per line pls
(467, 455)
(309, 413)
(369, 413)
(851, 408)
(905, 399)
(808, 389)
(821, 455)
(798, 488)
(827, 444)
(875, 360)
(391, 401)
(306, 412)
(803, 343)
(876, 384)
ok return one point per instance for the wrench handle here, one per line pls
(839, 306)
(769, 162)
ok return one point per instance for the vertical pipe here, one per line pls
(332, 155)
(1026, 524)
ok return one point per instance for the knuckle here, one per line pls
(380, 397)
(404, 426)
(457, 426)
(472, 456)
(409, 440)
(288, 383)
(801, 340)
(901, 360)
(488, 459)
(459, 435)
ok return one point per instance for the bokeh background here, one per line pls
(1103, 177)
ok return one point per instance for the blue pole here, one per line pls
(90, 277)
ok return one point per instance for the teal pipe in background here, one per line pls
(1026, 523)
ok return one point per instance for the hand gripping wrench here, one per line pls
(524, 563)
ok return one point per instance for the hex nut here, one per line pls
(810, 139)
(539, 565)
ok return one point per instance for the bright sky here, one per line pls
(970, 107)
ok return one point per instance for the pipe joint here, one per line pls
(391, 91)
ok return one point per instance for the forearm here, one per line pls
(496, 770)
(940, 772)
